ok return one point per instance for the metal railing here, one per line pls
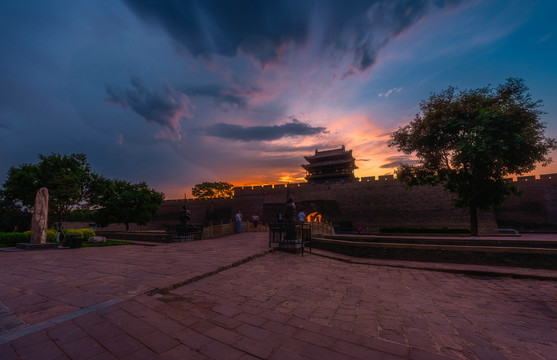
(292, 236)
(183, 233)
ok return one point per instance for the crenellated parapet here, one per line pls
(543, 179)
(382, 180)
(180, 202)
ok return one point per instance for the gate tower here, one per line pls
(330, 165)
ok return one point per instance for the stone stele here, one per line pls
(39, 224)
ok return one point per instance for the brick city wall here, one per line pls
(374, 203)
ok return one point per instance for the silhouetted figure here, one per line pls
(185, 215)
(238, 218)
(290, 219)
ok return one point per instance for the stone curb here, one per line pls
(454, 270)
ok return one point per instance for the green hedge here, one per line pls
(50, 235)
(85, 234)
(12, 238)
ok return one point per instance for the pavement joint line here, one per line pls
(7, 318)
(167, 289)
(20, 332)
(513, 275)
(13, 335)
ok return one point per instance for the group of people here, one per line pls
(185, 216)
(238, 218)
(301, 217)
(255, 219)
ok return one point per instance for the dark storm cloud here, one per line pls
(365, 27)
(259, 28)
(231, 97)
(263, 133)
(263, 29)
(396, 161)
(163, 106)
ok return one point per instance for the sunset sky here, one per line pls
(176, 92)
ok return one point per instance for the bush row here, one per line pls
(12, 238)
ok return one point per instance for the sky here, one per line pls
(176, 92)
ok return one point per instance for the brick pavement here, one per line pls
(151, 302)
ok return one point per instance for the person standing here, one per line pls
(238, 221)
(302, 216)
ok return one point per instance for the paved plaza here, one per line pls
(234, 298)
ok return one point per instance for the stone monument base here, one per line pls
(30, 246)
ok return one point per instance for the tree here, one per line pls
(124, 203)
(13, 217)
(67, 179)
(213, 190)
(470, 141)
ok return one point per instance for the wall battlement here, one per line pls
(383, 180)
(178, 203)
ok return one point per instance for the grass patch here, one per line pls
(106, 243)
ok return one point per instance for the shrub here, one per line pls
(83, 233)
(69, 232)
(12, 238)
(87, 233)
(50, 235)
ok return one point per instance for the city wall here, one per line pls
(374, 203)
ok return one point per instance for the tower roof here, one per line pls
(330, 165)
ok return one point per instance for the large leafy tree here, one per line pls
(13, 217)
(213, 190)
(67, 178)
(469, 141)
(122, 202)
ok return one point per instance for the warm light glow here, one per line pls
(314, 217)
(289, 179)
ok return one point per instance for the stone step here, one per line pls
(482, 242)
